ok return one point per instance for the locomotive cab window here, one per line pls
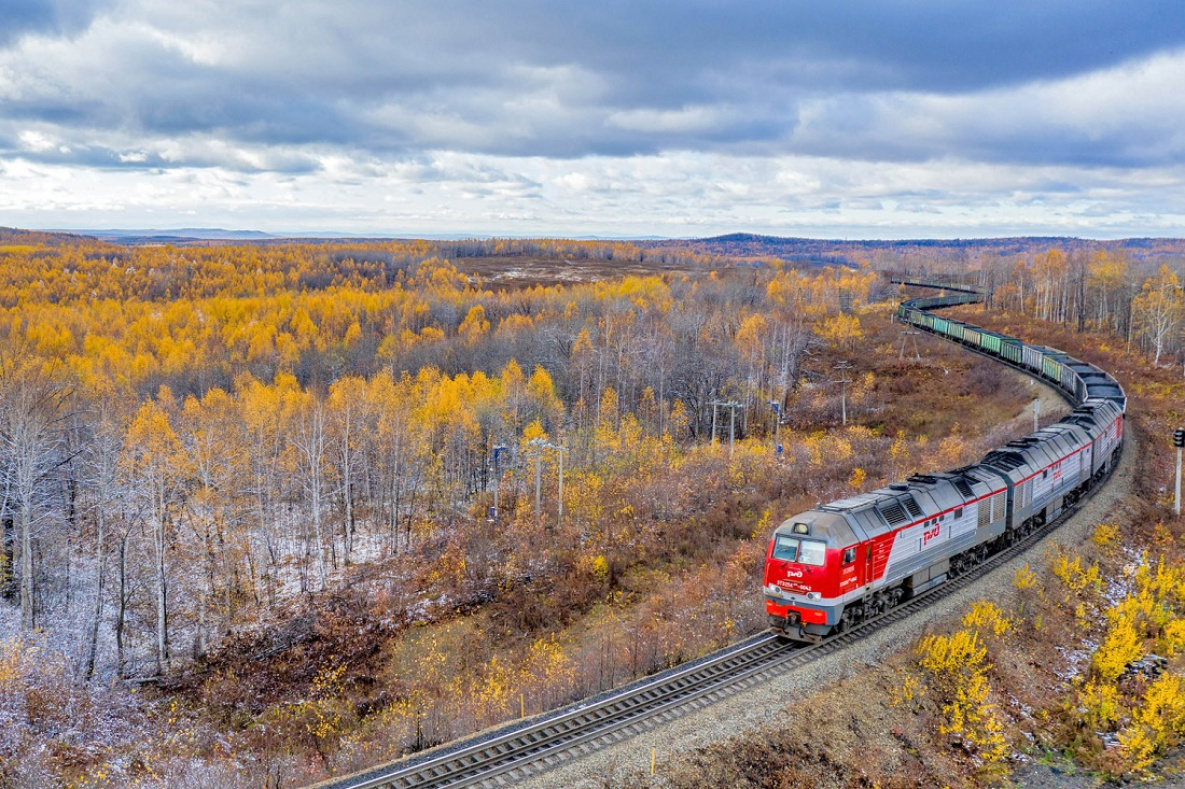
(788, 548)
(813, 552)
(959, 512)
(849, 555)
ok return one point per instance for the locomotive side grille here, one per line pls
(894, 514)
(985, 513)
(997, 506)
(912, 506)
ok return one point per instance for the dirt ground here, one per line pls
(525, 271)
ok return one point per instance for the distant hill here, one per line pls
(181, 234)
(13, 235)
(813, 251)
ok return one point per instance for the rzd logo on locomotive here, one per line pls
(931, 534)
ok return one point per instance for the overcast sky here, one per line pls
(916, 118)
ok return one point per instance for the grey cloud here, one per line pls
(54, 17)
(570, 79)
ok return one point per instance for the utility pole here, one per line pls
(560, 516)
(843, 368)
(1036, 415)
(732, 421)
(498, 450)
(905, 335)
(538, 482)
(537, 447)
(777, 407)
(1179, 443)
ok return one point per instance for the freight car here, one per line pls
(842, 563)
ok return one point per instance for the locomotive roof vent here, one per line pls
(1009, 461)
(898, 486)
(923, 479)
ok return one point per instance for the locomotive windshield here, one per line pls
(788, 548)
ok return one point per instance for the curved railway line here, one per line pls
(513, 753)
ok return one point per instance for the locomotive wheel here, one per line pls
(845, 621)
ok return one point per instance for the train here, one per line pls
(830, 568)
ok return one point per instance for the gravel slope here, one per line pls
(756, 707)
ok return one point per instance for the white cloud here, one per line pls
(677, 194)
(36, 141)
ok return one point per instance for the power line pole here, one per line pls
(905, 336)
(498, 450)
(560, 449)
(732, 420)
(777, 407)
(537, 446)
(843, 368)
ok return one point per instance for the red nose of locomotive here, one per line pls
(799, 589)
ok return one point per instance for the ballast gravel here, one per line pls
(761, 705)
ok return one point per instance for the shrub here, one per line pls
(957, 667)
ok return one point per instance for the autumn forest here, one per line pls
(277, 511)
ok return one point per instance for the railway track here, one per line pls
(514, 753)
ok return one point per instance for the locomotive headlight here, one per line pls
(814, 596)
